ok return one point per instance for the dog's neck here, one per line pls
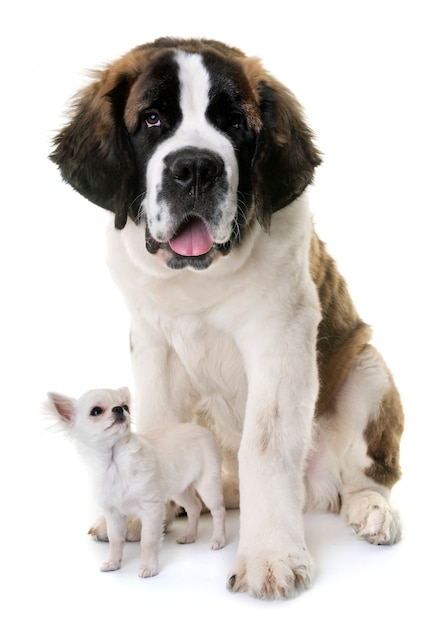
(100, 456)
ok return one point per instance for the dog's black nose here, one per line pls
(195, 169)
(119, 413)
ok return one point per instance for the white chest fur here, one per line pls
(212, 327)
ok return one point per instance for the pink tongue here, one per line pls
(192, 240)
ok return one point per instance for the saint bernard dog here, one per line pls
(240, 319)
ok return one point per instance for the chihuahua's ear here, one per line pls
(125, 394)
(62, 407)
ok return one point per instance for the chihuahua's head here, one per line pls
(100, 416)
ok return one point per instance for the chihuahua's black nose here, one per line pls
(118, 411)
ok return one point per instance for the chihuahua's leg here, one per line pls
(133, 529)
(192, 505)
(152, 522)
(211, 493)
(116, 528)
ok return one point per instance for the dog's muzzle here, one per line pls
(194, 187)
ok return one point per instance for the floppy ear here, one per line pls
(285, 157)
(93, 151)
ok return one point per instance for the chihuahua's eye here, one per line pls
(96, 410)
(126, 408)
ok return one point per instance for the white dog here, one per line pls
(136, 475)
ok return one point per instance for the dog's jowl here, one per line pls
(239, 316)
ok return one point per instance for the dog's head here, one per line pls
(190, 139)
(97, 418)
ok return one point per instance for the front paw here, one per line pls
(110, 566)
(271, 576)
(146, 571)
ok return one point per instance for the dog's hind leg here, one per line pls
(368, 423)
(210, 491)
(192, 506)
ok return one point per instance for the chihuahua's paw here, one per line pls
(110, 566)
(147, 571)
(186, 539)
(217, 543)
(270, 576)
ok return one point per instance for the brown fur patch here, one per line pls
(382, 436)
(342, 335)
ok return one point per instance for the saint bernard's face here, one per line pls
(191, 140)
(194, 146)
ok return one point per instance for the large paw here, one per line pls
(372, 518)
(271, 577)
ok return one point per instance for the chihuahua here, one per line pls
(137, 475)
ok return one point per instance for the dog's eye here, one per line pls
(96, 410)
(152, 118)
(235, 119)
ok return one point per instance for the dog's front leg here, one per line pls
(152, 520)
(273, 561)
(161, 385)
(116, 528)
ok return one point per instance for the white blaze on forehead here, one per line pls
(194, 131)
(194, 101)
(194, 92)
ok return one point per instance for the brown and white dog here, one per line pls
(239, 317)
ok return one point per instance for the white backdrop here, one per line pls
(362, 72)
